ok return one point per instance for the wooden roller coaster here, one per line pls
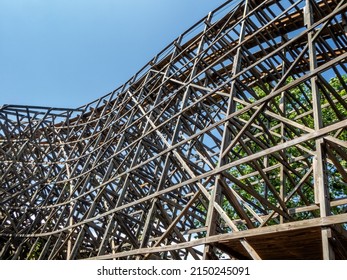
(231, 143)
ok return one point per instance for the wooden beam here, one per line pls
(317, 222)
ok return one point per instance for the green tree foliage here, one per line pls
(36, 251)
(298, 108)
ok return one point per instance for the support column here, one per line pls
(216, 195)
(321, 191)
(283, 132)
(71, 205)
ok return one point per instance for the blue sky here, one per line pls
(66, 53)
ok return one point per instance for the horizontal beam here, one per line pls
(312, 223)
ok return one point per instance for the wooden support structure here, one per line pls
(231, 143)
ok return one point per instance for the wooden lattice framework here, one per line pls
(230, 143)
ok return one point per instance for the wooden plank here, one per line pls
(287, 227)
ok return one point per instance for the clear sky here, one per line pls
(66, 53)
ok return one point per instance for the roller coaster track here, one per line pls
(231, 143)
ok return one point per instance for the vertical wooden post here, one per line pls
(283, 133)
(68, 173)
(216, 195)
(319, 171)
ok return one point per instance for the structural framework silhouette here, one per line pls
(230, 143)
